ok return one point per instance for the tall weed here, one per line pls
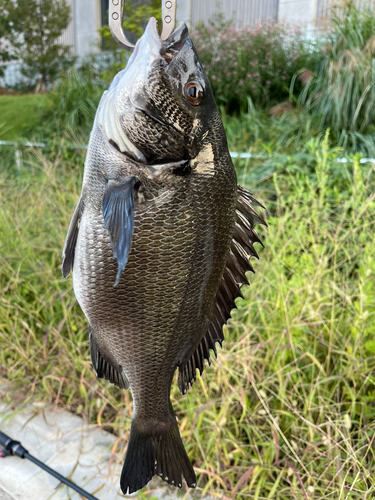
(341, 93)
(72, 104)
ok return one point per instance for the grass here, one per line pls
(287, 411)
(340, 94)
(72, 103)
(258, 133)
(19, 115)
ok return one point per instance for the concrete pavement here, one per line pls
(4, 496)
(76, 450)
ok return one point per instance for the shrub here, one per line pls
(257, 62)
(341, 93)
(72, 103)
(5, 29)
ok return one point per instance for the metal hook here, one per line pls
(168, 15)
(116, 13)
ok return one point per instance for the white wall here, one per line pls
(184, 11)
(298, 11)
(86, 16)
(242, 12)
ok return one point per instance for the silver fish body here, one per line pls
(160, 217)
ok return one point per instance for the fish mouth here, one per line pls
(148, 50)
(148, 46)
(167, 48)
(145, 53)
(174, 43)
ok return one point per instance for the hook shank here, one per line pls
(168, 15)
(116, 13)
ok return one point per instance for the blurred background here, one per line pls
(288, 410)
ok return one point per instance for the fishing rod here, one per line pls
(15, 448)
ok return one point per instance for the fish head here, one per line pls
(161, 106)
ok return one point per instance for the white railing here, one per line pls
(234, 154)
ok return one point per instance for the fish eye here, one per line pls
(194, 93)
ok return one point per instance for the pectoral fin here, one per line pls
(118, 213)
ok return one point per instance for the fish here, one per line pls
(159, 243)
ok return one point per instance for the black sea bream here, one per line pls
(159, 243)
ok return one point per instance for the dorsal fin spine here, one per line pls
(234, 276)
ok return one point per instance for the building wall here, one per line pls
(87, 21)
(249, 12)
(89, 15)
(298, 11)
(184, 11)
(68, 37)
(243, 12)
(324, 10)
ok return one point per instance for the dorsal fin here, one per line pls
(234, 276)
(71, 239)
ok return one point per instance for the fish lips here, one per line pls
(145, 54)
(149, 50)
(150, 43)
(174, 43)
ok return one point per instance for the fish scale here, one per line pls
(159, 249)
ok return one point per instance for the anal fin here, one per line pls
(104, 369)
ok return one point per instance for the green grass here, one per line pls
(19, 115)
(72, 103)
(287, 411)
(258, 133)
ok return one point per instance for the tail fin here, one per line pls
(155, 450)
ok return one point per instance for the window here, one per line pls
(105, 8)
